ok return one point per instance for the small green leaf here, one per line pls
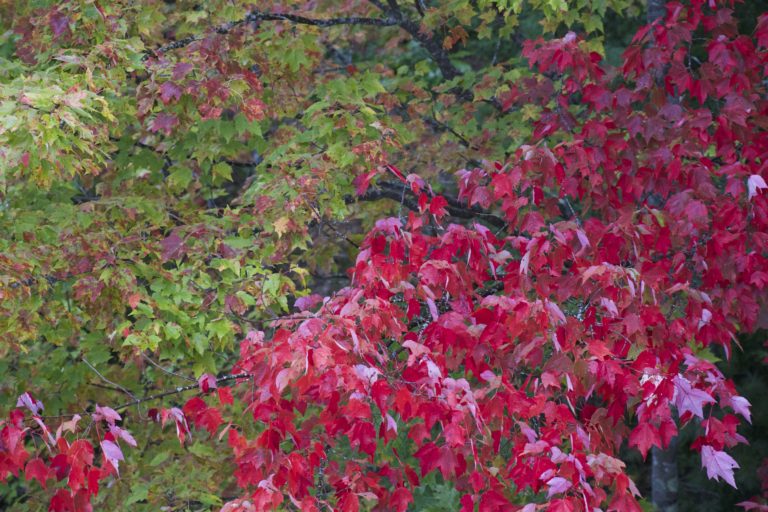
(203, 450)
(159, 458)
(222, 171)
(139, 492)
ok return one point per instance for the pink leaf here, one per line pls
(123, 434)
(557, 485)
(690, 399)
(739, 404)
(309, 302)
(112, 453)
(182, 428)
(610, 306)
(26, 400)
(718, 464)
(68, 426)
(582, 238)
(755, 183)
(282, 379)
(106, 413)
(752, 505)
(207, 382)
(416, 350)
(433, 309)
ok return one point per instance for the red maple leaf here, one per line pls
(164, 122)
(644, 436)
(37, 469)
(169, 91)
(225, 395)
(400, 498)
(173, 247)
(442, 458)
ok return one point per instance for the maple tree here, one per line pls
(177, 180)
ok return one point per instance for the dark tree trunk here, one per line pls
(664, 479)
(656, 9)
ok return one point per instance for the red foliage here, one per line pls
(551, 343)
(526, 357)
(61, 459)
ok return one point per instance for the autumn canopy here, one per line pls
(379, 255)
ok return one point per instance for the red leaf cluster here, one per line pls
(61, 459)
(524, 358)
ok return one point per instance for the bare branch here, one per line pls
(256, 16)
(115, 385)
(169, 372)
(430, 43)
(455, 207)
(323, 221)
(375, 193)
(395, 17)
(329, 22)
(179, 390)
(442, 127)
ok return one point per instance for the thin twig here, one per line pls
(439, 125)
(169, 372)
(117, 386)
(178, 390)
(432, 44)
(105, 386)
(455, 207)
(573, 212)
(256, 16)
(330, 225)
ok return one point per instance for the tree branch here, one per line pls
(434, 47)
(165, 370)
(179, 390)
(116, 386)
(655, 9)
(256, 16)
(395, 17)
(430, 43)
(394, 191)
(374, 194)
(442, 127)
